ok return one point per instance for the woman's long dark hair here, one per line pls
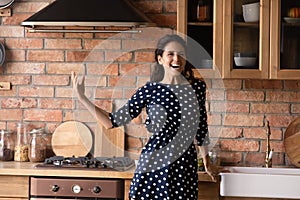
(157, 70)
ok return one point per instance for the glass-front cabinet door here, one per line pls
(201, 22)
(246, 39)
(285, 39)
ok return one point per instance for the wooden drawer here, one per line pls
(207, 190)
(14, 187)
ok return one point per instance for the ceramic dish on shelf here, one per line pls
(5, 3)
(2, 54)
(291, 20)
(245, 59)
(206, 63)
(251, 12)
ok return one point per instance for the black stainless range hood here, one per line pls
(103, 13)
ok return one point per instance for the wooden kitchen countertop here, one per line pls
(28, 169)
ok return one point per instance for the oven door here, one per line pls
(75, 188)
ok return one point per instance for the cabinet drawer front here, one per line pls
(14, 186)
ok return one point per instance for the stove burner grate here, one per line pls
(116, 163)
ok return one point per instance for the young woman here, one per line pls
(176, 115)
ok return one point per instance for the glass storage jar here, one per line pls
(22, 146)
(203, 10)
(49, 151)
(214, 154)
(38, 146)
(7, 146)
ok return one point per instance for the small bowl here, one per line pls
(206, 63)
(251, 12)
(245, 59)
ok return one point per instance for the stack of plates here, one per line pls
(2, 54)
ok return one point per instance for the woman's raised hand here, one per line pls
(78, 86)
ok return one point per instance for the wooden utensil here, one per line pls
(72, 138)
(292, 142)
(109, 142)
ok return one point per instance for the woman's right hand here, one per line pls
(100, 115)
(78, 86)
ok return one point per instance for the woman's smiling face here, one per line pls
(173, 58)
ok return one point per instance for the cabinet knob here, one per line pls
(76, 189)
(97, 189)
(55, 188)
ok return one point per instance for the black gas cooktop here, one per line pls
(109, 163)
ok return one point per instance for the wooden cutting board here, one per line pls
(72, 138)
(109, 142)
(292, 142)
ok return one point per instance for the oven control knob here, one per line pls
(97, 189)
(76, 189)
(55, 188)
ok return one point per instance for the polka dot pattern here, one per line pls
(176, 115)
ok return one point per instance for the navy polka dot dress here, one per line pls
(176, 115)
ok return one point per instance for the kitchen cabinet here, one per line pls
(284, 40)
(15, 176)
(273, 40)
(12, 187)
(207, 190)
(245, 37)
(207, 33)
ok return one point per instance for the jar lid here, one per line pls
(2, 132)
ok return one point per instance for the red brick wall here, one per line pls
(38, 65)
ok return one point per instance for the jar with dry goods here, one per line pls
(49, 151)
(22, 146)
(7, 146)
(38, 146)
(203, 10)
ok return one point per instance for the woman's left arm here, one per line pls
(207, 163)
(202, 133)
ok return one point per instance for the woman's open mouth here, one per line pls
(175, 66)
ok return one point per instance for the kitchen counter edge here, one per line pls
(30, 169)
